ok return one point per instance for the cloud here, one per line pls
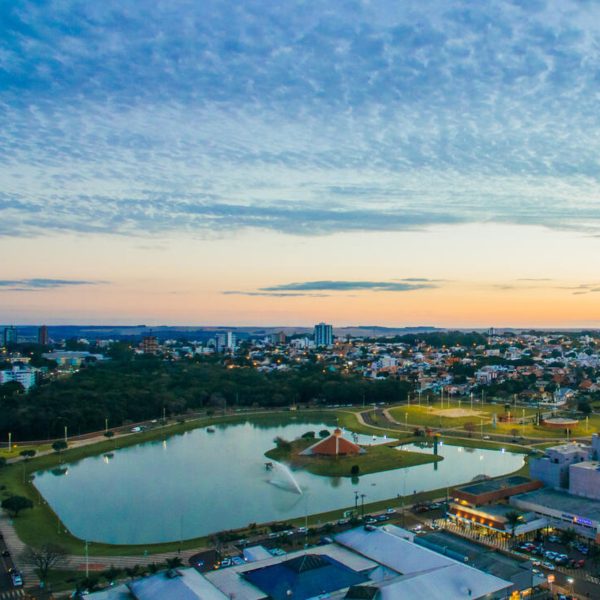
(29, 285)
(206, 118)
(308, 288)
(346, 286)
(273, 294)
(583, 288)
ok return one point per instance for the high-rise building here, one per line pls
(149, 345)
(225, 342)
(323, 334)
(43, 338)
(10, 335)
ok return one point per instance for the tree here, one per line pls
(109, 434)
(324, 433)
(583, 406)
(283, 444)
(59, 445)
(44, 558)
(309, 435)
(26, 454)
(512, 519)
(355, 470)
(112, 573)
(15, 504)
(174, 562)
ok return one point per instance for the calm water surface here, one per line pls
(197, 483)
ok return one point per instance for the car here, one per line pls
(135, 429)
(390, 511)
(554, 539)
(16, 578)
(273, 535)
(417, 528)
(302, 529)
(226, 562)
(237, 560)
(548, 565)
(344, 521)
(486, 437)
(383, 518)
(5, 553)
(369, 527)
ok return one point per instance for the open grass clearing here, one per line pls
(382, 457)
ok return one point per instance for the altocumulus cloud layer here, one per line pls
(308, 118)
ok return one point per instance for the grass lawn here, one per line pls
(16, 449)
(384, 457)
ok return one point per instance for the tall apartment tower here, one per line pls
(43, 338)
(323, 334)
(10, 335)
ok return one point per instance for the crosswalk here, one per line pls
(12, 594)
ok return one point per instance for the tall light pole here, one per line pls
(87, 560)
(362, 501)
(66, 437)
(471, 400)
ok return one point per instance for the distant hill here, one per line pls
(195, 332)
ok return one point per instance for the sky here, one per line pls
(283, 163)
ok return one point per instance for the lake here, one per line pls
(196, 483)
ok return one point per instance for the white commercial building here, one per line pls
(23, 375)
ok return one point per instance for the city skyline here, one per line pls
(246, 164)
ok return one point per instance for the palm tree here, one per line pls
(173, 563)
(512, 519)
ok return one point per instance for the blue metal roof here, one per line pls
(304, 577)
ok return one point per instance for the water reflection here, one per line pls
(208, 483)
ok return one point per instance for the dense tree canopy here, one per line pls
(134, 390)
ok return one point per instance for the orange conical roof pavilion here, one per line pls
(334, 445)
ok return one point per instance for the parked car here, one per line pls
(548, 565)
(554, 539)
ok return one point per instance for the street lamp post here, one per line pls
(87, 559)
(362, 500)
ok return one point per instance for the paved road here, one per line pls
(7, 590)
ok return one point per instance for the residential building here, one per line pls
(323, 335)
(149, 344)
(43, 338)
(11, 335)
(19, 373)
